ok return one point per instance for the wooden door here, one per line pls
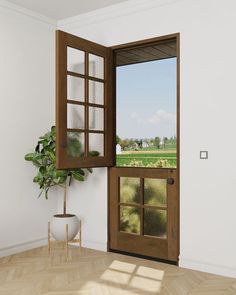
(84, 103)
(143, 201)
(155, 226)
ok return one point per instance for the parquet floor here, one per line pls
(89, 272)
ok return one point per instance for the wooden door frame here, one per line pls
(136, 44)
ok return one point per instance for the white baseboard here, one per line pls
(95, 245)
(206, 267)
(24, 246)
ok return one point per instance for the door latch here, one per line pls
(170, 181)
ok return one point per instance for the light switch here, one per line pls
(204, 155)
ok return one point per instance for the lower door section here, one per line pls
(144, 212)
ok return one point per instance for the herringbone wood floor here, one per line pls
(93, 272)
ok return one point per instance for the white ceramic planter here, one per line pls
(58, 226)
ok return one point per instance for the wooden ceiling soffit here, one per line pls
(152, 52)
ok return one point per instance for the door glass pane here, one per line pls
(129, 190)
(96, 66)
(155, 222)
(96, 144)
(75, 144)
(155, 192)
(96, 92)
(75, 116)
(75, 60)
(75, 88)
(146, 114)
(130, 219)
(96, 118)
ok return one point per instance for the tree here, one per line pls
(157, 141)
(139, 142)
(124, 143)
(118, 139)
(165, 140)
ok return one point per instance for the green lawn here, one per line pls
(147, 159)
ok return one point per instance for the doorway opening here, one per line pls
(144, 184)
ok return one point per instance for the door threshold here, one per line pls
(144, 257)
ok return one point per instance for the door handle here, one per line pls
(170, 181)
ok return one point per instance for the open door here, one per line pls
(143, 192)
(84, 103)
(144, 183)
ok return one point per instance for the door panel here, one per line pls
(85, 106)
(144, 211)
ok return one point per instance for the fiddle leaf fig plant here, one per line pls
(44, 158)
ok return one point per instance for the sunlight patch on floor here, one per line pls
(116, 277)
(122, 266)
(133, 278)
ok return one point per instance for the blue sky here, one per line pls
(146, 99)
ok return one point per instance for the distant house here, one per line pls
(118, 149)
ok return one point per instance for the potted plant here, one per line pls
(44, 158)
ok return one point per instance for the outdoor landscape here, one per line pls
(146, 137)
(153, 152)
(146, 114)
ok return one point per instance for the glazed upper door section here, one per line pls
(84, 120)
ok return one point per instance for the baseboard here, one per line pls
(207, 267)
(95, 245)
(24, 246)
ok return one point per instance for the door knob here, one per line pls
(170, 181)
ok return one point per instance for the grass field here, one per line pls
(161, 159)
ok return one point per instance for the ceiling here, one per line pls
(60, 9)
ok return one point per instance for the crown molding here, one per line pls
(19, 9)
(114, 11)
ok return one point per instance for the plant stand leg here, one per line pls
(49, 240)
(80, 234)
(66, 240)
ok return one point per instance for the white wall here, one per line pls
(26, 111)
(88, 200)
(208, 46)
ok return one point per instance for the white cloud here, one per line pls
(135, 116)
(159, 123)
(161, 117)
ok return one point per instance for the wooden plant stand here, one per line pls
(67, 241)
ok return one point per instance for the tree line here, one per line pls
(137, 143)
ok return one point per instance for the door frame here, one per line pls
(132, 45)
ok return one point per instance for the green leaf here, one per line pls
(77, 176)
(81, 171)
(44, 158)
(30, 156)
(62, 180)
(50, 154)
(61, 173)
(94, 153)
(37, 148)
(42, 169)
